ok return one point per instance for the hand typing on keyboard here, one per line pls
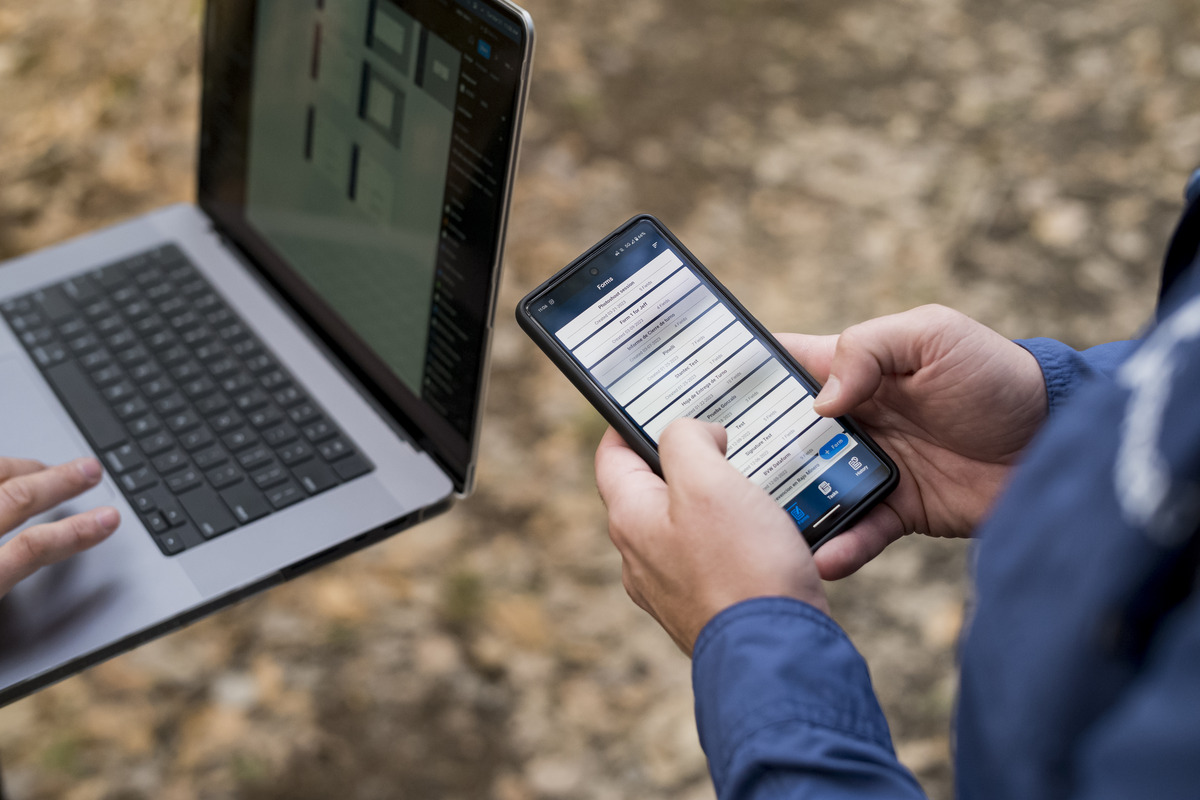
(29, 488)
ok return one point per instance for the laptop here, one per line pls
(293, 367)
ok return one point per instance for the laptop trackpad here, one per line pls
(34, 425)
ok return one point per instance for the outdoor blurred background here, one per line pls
(830, 160)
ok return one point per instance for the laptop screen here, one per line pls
(361, 153)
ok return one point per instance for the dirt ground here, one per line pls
(1021, 160)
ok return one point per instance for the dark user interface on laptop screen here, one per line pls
(377, 141)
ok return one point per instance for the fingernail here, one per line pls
(90, 468)
(108, 519)
(829, 393)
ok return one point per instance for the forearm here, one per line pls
(785, 708)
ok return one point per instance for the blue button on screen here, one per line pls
(830, 448)
(797, 514)
(484, 49)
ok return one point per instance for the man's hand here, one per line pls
(28, 488)
(951, 401)
(703, 539)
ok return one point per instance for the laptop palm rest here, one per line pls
(76, 605)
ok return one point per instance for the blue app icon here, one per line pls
(484, 49)
(797, 514)
(830, 448)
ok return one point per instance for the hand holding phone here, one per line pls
(650, 336)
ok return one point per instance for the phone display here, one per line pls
(650, 336)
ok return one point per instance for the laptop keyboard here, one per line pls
(201, 426)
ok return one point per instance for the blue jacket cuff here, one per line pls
(778, 682)
(1066, 369)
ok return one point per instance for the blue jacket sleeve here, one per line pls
(785, 708)
(1065, 368)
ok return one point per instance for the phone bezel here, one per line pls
(633, 435)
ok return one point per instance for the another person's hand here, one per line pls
(28, 488)
(953, 402)
(704, 538)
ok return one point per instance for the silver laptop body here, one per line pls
(356, 165)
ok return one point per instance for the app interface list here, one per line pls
(660, 342)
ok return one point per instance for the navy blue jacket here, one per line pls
(1081, 662)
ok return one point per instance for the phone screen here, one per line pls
(658, 337)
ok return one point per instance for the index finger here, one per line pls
(14, 467)
(24, 496)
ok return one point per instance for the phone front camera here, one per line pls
(595, 271)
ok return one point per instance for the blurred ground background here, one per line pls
(1021, 160)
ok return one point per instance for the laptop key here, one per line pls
(210, 457)
(254, 457)
(225, 421)
(171, 542)
(246, 502)
(106, 376)
(250, 401)
(265, 418)
(334, 449)
(112, 277)
(295, 453)
(280, 435)
(155, 522)
(144, 426)
(144, 503)
(153, 445)
(145, 372)
(240, 439)
(208, 511)
(84, 343)
(139, 479)
(173, 513)
(183, 481)
(174, 355)
(96, 359)
(289, 396)
(119, 391)
(285, 495)
(133, 356)
(183, 421)
(56, 305)
(72, 327)
(82, 289)
(170, 461)
(351, 467)
(315, 476)
(134, 407)
(98, 310)
(187, 371)
(124, 458)
(77, 394)
(50, 355)
(212, 404)
(194, 440)
(303, 414)
(224, 476)
(319, 431)
(171, 404)
(270, 476)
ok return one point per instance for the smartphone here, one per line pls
(649, 336)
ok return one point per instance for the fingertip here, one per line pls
(825, 403)
(687, 430)
(107, 519)
(89, 468)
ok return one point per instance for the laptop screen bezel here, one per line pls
(221, 194)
